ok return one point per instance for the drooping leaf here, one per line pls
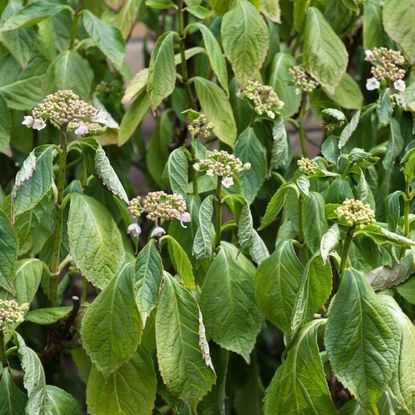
(130, 390)
(362, 343)
(245, 39)
(61, 402)
(204, 238)
(111, 328)
(329, 241)
(349, 130)
(227, 300)
(179, 354)
(324, 54)
(280, 146)
(277, 282)
(178, 171)
(136, 86)
(12, 399)
(46, 316)
(9, 246)
(95, 241)
(245, 228)
(299, 385)
(258, 250)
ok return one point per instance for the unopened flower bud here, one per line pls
(356, 213)
(307, 166)
(302, 79)
(81, 130)
(11, 314)
(399, 85)
(157, 232)
(185, 218)
(134, 229)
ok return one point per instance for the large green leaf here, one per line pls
(73, 72)
(27, 280)
(249, 149)
(149, 269)
(315, 222)
(178, 170)
(33, 181)
(299, 386)
(162, 70)
(347, 93)
(12, 399)
(276, 285)
(361, 339)
(228, 303)
(373, 34)
(204, 238)
(9, 246)
(47, 316)
(182, 350)
(108, 39)
(111, 328)
(324, 54)
(399, 23)
(95, 242)
(130, 390)
(245, 39)
(217, 109)
(61, 402)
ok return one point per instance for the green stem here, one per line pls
(218, 211)
(345, 253)
(3, 356)
(74, 30)
(58, 231)
(195, 174)
(301, 129)
(84, 294)
(407, 207)
(301, 238)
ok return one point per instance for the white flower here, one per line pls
(100, 117)
(28, 121)
(38, 124)
(399, 85)
(81, 130)
(184, 218)
(227, 182)
(157, 232)
(372, 84)
(134, 229)
(369, 55)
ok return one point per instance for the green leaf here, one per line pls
(217, 109)
(315, 222)
(403, 379)
(382, 236)
(393, 209)
(280, 147)
(271, 9)
(149, 269)
(395, 144)
(46, 316)
(73, 72)
(162, 70)
(126, 17)
(349, 130)
(61, 402)
(282, 83)
(108, 39)
(95, 242)
(107, 174)
(132, 118)
(221, 6)
(5, 127)
(33, 181)
(130, 390)
(12, 399)
(362, 343)
(32, 14)
(136, 86)
(347, 93)
(204, 238)
(258, 250)
(9, 246)
(178, 171)
(329, 241)
(227, 300)
(215, 55)
(27, 279)
(324, 54)
(399, 23)
(299, 386)
(250, 150)
(373, 34)
(181, 262)
(111, 328)
(185, 368)
(245, 228)
(245, 39)
(277, 283)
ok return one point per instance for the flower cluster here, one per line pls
(302, 80)
(355, 213)
(64, 108)
(307, 166)
(200, 126)
(11, 313)
(264, 99)
(222, 164)
(109, 88)
(385, 67)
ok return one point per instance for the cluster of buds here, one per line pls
(11, 314)
(222, 164)
(385, 67)
(113, 88)
(307, 166)
(332, 119)
(158, 206)
(263, 98)
(302, 80)
(65, 108)
(356, 213)
(200, 126)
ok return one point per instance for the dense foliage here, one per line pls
(233, 276)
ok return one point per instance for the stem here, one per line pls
(218, 211)
(345, 253)
(301, 238)
(407, 207)
(58, 231)
(3, 356)
(74, 30)
(301, 130)
(84, 295)
(195, 174)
